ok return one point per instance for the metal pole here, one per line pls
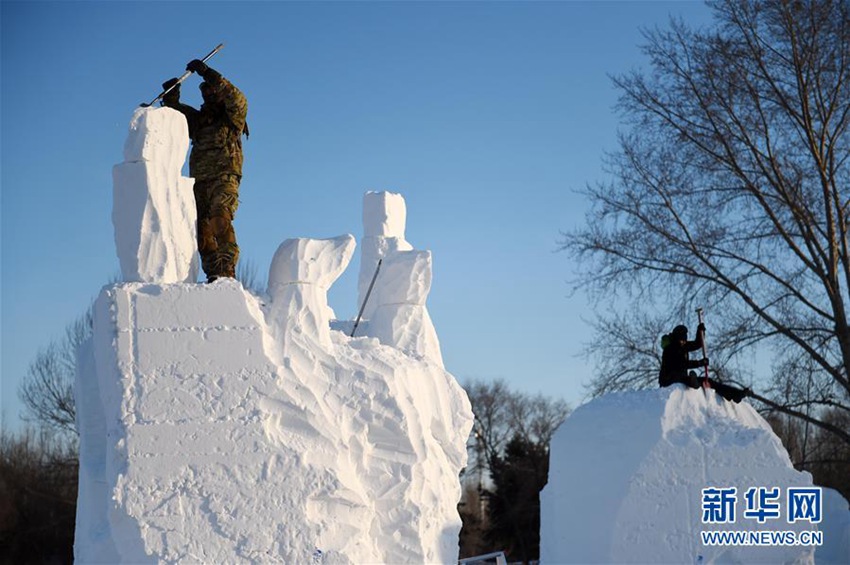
(365, 300)
(699, 317)
(183, 77)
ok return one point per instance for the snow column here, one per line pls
(396, 309)
(300, 275)
(384, 219)
(153, 208)
(401, 318)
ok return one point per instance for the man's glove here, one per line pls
(197, 66)
(701, 328)
(705, 361)
(173, 96)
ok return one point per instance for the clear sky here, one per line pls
(486, 116)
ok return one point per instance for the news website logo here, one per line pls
(762, 505)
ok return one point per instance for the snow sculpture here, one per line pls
(153, 209)
(396, 310)
(215, 428)
(384, 220)
(627, 471)
(400, 317)
(301, 273)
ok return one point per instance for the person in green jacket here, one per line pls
(216, 164)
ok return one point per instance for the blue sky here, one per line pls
(486, 116)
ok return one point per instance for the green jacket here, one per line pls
(216, 129)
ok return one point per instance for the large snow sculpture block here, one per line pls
(300, 275)
(626, 475)
(153, 210)
(205, 439)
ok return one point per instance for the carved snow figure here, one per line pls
(153, 206)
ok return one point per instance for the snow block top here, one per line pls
(627, 472)
(384, 214)
(313, 261)
(157, 134)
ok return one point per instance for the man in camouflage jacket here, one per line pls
(216, 164)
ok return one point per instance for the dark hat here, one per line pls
(680, 332)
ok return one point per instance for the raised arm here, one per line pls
(235, 103)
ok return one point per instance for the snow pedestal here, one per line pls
(213, 432)
(153, 211)
(627, 473)
(300, 275)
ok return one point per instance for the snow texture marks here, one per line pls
(627, 472)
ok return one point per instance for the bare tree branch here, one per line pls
(730, 190)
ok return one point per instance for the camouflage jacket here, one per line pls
(216, 130)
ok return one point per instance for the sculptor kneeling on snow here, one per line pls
(215, 163)
(675, 364)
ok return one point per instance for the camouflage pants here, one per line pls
(217, 199)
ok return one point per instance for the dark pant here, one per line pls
(217, 199)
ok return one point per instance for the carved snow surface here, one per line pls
(400, 318)
(300, 275)
(208, 437)
(153, 210)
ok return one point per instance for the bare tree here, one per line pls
(508, 447)
(502, 414)
(730, 191)
(38, 497)
(47, 391)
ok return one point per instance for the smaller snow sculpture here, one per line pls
(384, 219)
(400, 318)
(301, 273)
(153, 208)
(396, 308)
(634, 477)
